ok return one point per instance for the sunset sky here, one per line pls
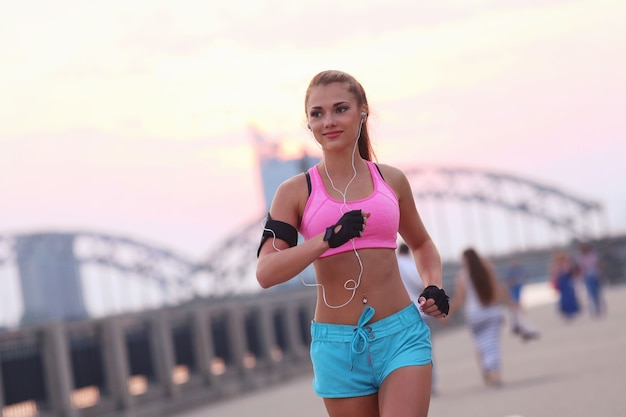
(133, 117)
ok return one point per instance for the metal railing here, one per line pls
(156, 362)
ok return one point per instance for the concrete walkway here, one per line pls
(575, 369)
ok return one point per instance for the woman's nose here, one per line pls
(328, 120)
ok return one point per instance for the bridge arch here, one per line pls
(514, 193)
(565, 216)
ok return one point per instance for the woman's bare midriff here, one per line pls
(380, 284)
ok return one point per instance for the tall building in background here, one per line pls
(50, 278)
(275, 166)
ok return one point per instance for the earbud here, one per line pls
(308, 126)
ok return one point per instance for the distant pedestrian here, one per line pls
(516, 277)
(563, 279)
(588, 267)
(478, 288)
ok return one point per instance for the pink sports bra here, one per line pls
(322, 210)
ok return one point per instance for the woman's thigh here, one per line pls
(366, 406)
(406, 392)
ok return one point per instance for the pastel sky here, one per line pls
(132, 117)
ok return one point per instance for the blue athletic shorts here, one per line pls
(351, 361)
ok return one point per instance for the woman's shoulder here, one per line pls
(392, 174)
(291, 194)
(293, 186)
(389, 169)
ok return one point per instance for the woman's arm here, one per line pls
(412, 230)
(433, 301)
(277, 262)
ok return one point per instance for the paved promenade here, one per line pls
(575, 369)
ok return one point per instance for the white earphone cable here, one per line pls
(350, 284)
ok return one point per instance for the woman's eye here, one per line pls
(316, 114)
(342, 109)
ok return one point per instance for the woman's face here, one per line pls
(334, 116)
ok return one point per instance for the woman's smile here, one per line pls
(332, 134)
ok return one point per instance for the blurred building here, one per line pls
(275, 166)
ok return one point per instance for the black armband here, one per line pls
(276, 229)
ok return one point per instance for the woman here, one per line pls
(563, 278)
(370, 348)
(479, 290)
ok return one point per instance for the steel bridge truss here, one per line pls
(576, 216)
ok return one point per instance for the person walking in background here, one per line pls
(588, 267)
(516, 277)
(563, 279)
(370, 348)
(414, 285)
(478, 289)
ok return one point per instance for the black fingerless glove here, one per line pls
(351, 224)
(440, 297)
